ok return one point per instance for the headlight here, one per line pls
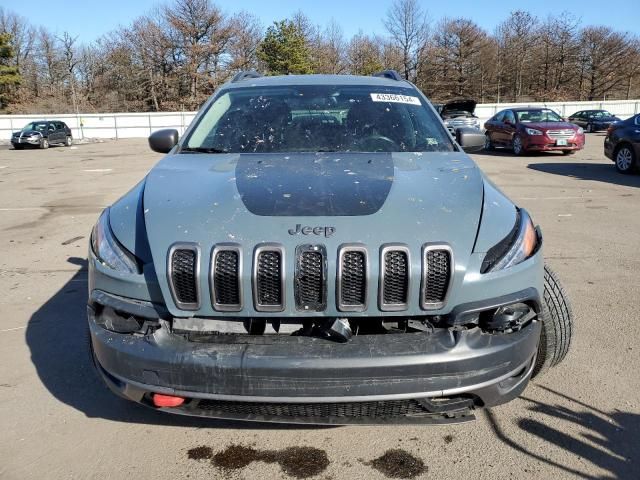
(533, 131)
(108, 250)
(521, 243)
(580, 130)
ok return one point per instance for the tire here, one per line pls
(557, 325)
(68, 142)
(44, 143)
(488, 144)
(625, 159)
(518, 148)
(589, 128)
(568, 152)
(18, 147)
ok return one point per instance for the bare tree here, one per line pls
(408, 27)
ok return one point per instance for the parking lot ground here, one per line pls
(581, 420)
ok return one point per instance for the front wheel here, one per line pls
(625, 159)
(488, 144)
(568, 152)
(589, 128)
(69, 141)
(557, 324)
(518, 148)
(44, 143)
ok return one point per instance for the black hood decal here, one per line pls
(314, 184)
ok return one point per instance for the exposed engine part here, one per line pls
(507, 319)
(255, 326)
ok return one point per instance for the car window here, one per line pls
(37, 126)
(538, 115)
(601, 114)
(312, 118)
(509, 117)
(498, 117)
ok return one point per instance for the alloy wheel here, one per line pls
(624, 159)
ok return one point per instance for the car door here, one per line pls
(60, 133)
(494, 125)
(576, 118)
(508, 127)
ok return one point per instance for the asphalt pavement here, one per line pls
(57, 420)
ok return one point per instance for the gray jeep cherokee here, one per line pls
(320, 249)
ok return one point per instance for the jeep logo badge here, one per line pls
(306, 230)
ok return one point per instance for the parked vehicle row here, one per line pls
(41, 134)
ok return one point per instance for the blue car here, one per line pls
(319, 249)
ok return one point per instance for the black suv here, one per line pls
(41, 134)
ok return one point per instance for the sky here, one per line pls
(88, 19)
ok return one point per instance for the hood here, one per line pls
(459, 105)
(295, 199)
(549, 125)
(26, 133)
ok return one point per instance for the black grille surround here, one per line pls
(395, 278)
(184, 275)
(225, 278)
(429, 411)
(352, 278)
(268, 278)
(310, 278)
(437, 273)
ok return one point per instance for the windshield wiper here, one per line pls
(203, 150)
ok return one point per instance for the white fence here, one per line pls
(138, 125)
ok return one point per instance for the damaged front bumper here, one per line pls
(428, 377)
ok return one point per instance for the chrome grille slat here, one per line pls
(437, 273)
(562, 134)
(352, 278)
(268, 278)
(310, 283)
(225, 278)
(395, 275)
(183, 273)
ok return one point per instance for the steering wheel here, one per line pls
(378, 143)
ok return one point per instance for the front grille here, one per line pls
(394, 278)
(351, 284)
(226, 276)
(310, 278)
(183, 276)
(436, 276)
(269, 279)
(562, 134)
(380, 409)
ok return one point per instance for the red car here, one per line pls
(532, 130)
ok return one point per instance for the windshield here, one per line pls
(529, 116)
(37, 126)
(318, 119)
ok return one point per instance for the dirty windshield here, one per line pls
(318, 119)
(525, 116)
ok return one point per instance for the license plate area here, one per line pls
(562, 142)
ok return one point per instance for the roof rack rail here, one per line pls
(390, 74)
(238, 77)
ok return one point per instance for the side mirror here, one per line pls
(163, 141)
(470, 139)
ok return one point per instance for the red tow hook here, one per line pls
(160, 400)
